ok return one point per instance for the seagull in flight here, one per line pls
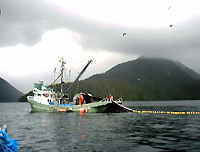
(124, 34)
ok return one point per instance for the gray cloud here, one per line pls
(145, 41)
(25, 21)
(179, 43)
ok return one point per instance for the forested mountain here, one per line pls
(145, 79)
(7, 92)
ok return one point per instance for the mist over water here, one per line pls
(101, 132)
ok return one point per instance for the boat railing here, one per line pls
(119, 100)
(30, 97)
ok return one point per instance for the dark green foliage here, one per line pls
(147, 79)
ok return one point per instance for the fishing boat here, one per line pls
(46, 99)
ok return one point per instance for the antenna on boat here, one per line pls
(69, 75)
(54, 74)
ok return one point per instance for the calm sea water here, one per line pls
(99, 132)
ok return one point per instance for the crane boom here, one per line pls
(80, 74)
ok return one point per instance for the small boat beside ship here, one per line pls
(47, 99)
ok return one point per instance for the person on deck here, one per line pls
(81, 99)
(110, 98)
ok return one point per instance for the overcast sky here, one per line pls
(35, 33)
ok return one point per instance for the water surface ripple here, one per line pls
(99, 132)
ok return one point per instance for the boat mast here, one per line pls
(62, 73)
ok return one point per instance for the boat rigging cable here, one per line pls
(61, 70)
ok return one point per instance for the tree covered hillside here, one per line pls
(146, 79)
(8, 93)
